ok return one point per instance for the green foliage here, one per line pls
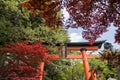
(11, 20)
(74, 52)
(103, 64)
(56, 70)
(65, 70)
(18, 24)
(77, 70)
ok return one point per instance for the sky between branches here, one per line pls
(75, 35)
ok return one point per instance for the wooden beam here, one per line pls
(87, 47)
(73, 56)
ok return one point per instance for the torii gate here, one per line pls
(83, 47)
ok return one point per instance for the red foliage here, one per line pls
(48, 10)
(25, 51)
(26, 56)
(94, 16)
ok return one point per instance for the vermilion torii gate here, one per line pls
(83, 47)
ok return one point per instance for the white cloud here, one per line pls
(75, 37)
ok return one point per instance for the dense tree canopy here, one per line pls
(18, 24)
(94, 16)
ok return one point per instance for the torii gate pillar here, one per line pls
(85, 63)
(41, 70)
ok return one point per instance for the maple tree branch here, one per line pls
(116, 10)
(112, 7)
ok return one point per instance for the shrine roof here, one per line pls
(79, 44)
